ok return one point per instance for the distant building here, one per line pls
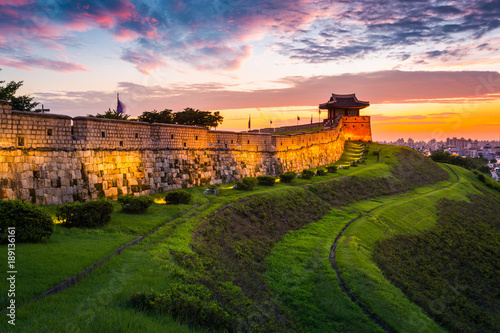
(471, 153)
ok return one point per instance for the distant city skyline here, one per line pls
(428, 68)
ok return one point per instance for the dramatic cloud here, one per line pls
(361, 27)
(218, 34)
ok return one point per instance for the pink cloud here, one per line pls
(144, 61)
(16, 2)
(31, 63)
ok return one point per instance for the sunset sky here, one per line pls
(430, 69)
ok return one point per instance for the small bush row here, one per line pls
(246, 184)
(266, 180)
(307, 173)
(90, 214)
(135, 204)
(177, 197)
(321, 171)
(287, 177)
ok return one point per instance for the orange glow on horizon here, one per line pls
(420, 121)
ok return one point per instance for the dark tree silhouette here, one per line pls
(20, 103)
(166, 116)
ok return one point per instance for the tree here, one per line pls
(111, 114)
(20, 103)
(194, 117)
(165, 116)
(189, 116)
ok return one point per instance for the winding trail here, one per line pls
(342, 281)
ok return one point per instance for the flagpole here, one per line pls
(117, 105)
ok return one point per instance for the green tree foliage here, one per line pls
(166, 116)
(20, 103)
(189, 116)
(194, 117)
(478, 163)
(110, 114)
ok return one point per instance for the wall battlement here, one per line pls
(54, 159)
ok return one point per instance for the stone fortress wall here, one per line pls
(54, 159)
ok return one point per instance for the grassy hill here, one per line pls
(261, 261)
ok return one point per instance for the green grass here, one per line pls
(298, 269)
(300, 272)
(304, 282)
(451, 269)
(408, 213)
(68, 252)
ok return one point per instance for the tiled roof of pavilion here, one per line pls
(344, 101)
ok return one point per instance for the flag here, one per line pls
(298, 118)
(311, 119)
(271, 122)
(249, 119)
(120, 107)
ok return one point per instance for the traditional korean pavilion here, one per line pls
(343, 105)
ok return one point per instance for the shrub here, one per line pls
(193, 304)
(331, 168)
(246, 184)
(177, 197)
(321, 171)
(90, 214)
(376, 153)
(481, 177)
(307, 173)
(135, 204)
(32, 223)
(266, 180)
(354, 164)
(287, 177)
